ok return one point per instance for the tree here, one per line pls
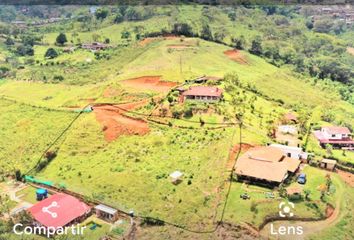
(182, 29)
(118, 18)
(206, 32)
(61, 39)
(126, 34)
(51, 53)
(132, 14)
(24, 50)
(9, 41)
(307, 193)
(323, 25)
(101, 13)
(256, 46)
(328, 182)
(239, 43)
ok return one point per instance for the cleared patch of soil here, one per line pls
(233, 152)
(110, 92)
(146, 41)
(153, 83)
(115, 123)
(347, 177)
(329, 211)
(236, 56)
(350, 50)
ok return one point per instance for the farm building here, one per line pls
(338, 137)
(106, 213)
(59, 210)
(202, 93)
(293, 192)
(265, 165)
(329, 164)
(292, 152)
(176, 177)
(288, 129)
(290, 118)
(95, 46)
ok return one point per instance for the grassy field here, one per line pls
(25, 132)
(141, 166)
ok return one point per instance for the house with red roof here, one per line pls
(265, 165)
(59, 210)
(202, 93)
(338, 137)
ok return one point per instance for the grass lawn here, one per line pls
(239, 210)
(28, 194)
(102, 229)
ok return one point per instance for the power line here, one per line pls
(154, 218)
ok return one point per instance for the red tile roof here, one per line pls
(337, 130)
(203, 91)
(58, 210)
(290, 116)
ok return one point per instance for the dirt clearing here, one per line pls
(236, 56)
(146, 41)
(153, 83)
(233, 153)
(350, 50)
(347, 177)
(115, 123)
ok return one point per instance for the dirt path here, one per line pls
(348, 178)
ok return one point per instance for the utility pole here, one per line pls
(180, 64)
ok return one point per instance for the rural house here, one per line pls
(292, 152)
(265, 165)
(290, 118)
(66, 209)
(106, 213)
(95, 46)
(202, 93)
(338, 137)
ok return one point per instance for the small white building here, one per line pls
(329, 164)
(176, 177)
(288, 129)
(292, 152)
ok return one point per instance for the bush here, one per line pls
(61, 39)
(51, 53)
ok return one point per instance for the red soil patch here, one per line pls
(109, 92)
(347, 177)
(350, 50)
(152, 83)
(146, 41)
(115, 123)
(233, 152)
(329, 211)
(236, 56)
